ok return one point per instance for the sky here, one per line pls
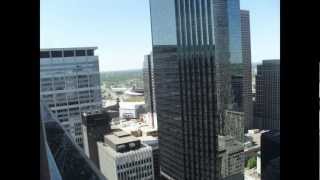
(121, 29)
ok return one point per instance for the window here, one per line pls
(90, 52)
(44, 54)
(56, 53)
(80, 53)
(63, 120)
(72, 102)
(68, 53)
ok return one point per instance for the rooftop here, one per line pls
(68, 49)
(122, 139)
(229, 143)
(273, 135)
(121, 134)
(134, 125)
(130, 105)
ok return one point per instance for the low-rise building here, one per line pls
(123, 156)
(252, 143)
(147, 135)
(234, 124)
(231, 155)
(131, 110)
(251, 174)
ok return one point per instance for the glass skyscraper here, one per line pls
(196, 51)
(267, 105)
(247, 74)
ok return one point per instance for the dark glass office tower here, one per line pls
(267, 105)
(247, 74)
(270, 155)
(196, 49)
(95, 125)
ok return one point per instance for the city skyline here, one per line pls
(197, 73)
(104, 24)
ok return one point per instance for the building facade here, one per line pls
(70, 84)
(196, 48)
(231, 155)
(95, 125)
(247, 73)
(131, 110)
(272, 171)
(234, 125)
(237, 88)
(270, 155)
(267, 104)
(123, 157)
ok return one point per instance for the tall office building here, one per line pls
(270, 155)
(70, 84)
(95, 125)
(247, 72)
(267, 105)
(148, 81)
(196, 48)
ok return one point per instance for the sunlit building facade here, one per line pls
(70, 84)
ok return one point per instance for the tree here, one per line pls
(252, 162)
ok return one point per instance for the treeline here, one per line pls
(122, 78)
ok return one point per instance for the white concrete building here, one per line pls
(151, 119)
(251, 174)
(131, 110)
(259, 163)
(123, 157)
(70, 84)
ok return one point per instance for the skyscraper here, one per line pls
(196, 48)
(70, 84)
(148, 81)
(267, 105)
(95, 125)
(247, 74)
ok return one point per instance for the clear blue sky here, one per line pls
(121, 29)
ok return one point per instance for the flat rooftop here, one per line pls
(122, 139)
(229, 143)
(134, 125)
(121, 134)
(68, 48)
